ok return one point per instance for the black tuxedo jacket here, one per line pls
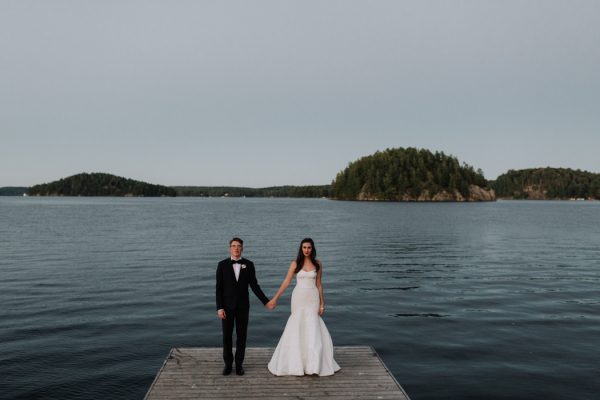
(232, 294)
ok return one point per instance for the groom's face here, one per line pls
(235, 249)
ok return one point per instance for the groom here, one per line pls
(234, 274)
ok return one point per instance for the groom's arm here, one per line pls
(255, 287)
(219, 288)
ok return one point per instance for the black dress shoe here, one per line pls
(227, 370)
(239, 370)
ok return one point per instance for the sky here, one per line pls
(267, 93)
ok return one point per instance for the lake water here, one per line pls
(462, 301)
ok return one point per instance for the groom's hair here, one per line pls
(236, 239)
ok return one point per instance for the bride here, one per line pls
(305, 346)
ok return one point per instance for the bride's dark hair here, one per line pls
(300, 258)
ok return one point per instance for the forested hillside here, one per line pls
(410, 174)
(99, 184)
(547, 184)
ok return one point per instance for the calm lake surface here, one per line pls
(462, 301)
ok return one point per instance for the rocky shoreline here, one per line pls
(476, 194)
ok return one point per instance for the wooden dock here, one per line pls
(195, 373)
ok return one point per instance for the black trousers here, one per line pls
(239, 318)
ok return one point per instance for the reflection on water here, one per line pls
(492, 300)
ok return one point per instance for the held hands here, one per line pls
(321, 309)
(221, 314)
(271, 304)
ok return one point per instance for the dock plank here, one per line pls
(195, 373)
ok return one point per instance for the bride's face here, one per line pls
(306, 249)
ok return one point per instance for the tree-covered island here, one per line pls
(410, 174)
(99, 184)
(547, 184)
(400, 174)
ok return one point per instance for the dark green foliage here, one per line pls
(277, 191)
(556, 183)
(12, 191)
(395, 173)
(99, 184)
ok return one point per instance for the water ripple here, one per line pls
(480, 301)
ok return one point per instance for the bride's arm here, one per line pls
(320, 287)
(286, 282)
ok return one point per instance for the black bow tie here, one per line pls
(236, 261)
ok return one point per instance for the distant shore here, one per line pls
(434, 183)
(23, 194)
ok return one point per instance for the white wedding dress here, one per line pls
(305, 346)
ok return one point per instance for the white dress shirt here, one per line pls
(236, 268)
